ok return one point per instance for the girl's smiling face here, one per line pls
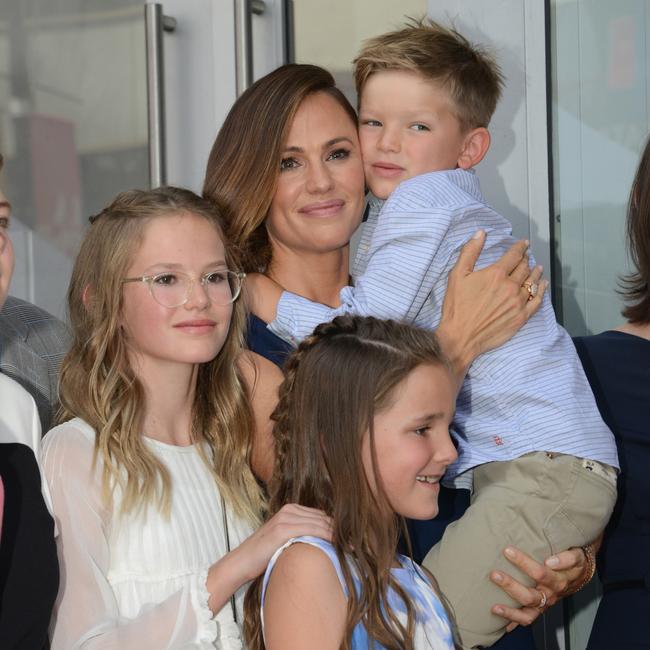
(190, 333)
(412, 443)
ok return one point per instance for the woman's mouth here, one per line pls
(323, 208)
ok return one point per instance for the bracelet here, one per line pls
(588, 573)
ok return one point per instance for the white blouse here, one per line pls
(138, 580)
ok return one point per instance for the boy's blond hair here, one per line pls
(467, 71)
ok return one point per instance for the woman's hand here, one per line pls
(251, 557)
(557, 577)
(483, 309)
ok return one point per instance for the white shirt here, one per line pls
(18, 415)
(137, 581)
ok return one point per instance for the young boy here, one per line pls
(543, 462)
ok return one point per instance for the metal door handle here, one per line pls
(155, 23)
(244, 9)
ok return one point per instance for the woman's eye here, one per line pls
(166, 279)
(288, 163)
(339, 154)
(420, 127)
(4, 222)
(370, 122)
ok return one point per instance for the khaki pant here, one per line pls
(542, 503)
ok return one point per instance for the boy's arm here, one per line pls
(396, 284)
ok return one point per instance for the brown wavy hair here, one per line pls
(636, 285)
(99, 385)
(336, 381)
(244, 162)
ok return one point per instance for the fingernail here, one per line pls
(552, 561)
(510, 552)
(541, 268)
(498, 610)
(497, 577)
(527, 242)
(478, 234)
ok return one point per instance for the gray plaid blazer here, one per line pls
(32, 346)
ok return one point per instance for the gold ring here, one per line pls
(542, 601)
(531, 287)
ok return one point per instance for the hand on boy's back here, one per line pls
(262, 295)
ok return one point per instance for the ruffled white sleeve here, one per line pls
(86, 613)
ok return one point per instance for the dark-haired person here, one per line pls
(617, 364)
(29, 572)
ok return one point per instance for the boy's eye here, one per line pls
(422, 431)
(370, 122)
(420, 127)
(4, 222)
(165, 279)
(288, 163)
(339, 154)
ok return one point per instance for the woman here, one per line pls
(617, 365)
(27, 549)
(153, 472)
(287, 161)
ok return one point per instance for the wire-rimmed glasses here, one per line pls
(174, 288)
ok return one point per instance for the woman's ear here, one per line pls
(477, 142)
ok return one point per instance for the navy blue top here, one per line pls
(618, 368)
(262, 341)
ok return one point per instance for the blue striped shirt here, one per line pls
(530, 394)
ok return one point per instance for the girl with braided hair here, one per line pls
(361, 432)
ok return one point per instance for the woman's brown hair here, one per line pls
(336, 381)
(636, 285)
(244, 163)
(99, 385)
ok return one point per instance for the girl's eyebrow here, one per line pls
(170, 266)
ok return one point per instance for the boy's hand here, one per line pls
(262, 296)
(483, 309)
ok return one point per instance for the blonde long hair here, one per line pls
(336, 381)
(99, 385)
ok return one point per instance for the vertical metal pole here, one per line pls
(243, 45)
(153, 16)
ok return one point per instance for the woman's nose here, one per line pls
(319, 179)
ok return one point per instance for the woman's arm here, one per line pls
(304, 604)
(483, 309)
(263, 379)
(560, 575)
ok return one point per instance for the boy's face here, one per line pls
(407, 127)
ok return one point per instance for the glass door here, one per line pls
(73, 127)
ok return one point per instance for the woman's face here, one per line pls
(319, 199)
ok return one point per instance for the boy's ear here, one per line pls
(477, 142)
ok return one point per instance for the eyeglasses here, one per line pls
(174, 289)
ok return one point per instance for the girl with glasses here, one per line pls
(155, 469)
